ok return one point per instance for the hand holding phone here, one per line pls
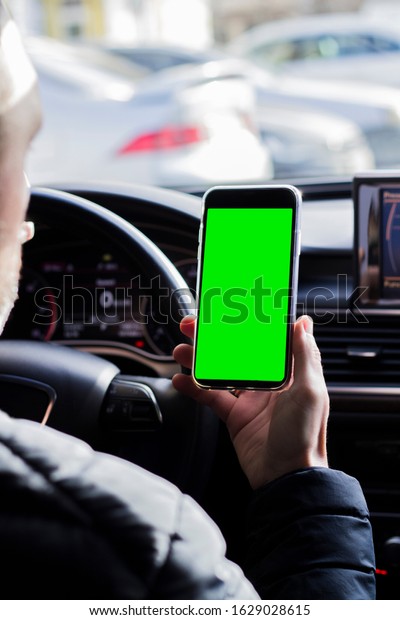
(273, 433)
(246, 287)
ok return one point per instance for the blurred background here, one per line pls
(189, 93)
(197, 23)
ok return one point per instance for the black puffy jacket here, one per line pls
(76, 524)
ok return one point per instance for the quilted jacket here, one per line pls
(76, 524)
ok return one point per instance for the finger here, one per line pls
(221, 402)
(183, 355)
(307, 358)
(186, 385)
(304, 346)
(187, 326)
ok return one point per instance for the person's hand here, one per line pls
(273, 433)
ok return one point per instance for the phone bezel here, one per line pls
(279, 196)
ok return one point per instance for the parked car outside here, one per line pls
(341, 64)
(159, 57)
(186, 128)
(309, 143)
(375, 109)
(349, 46)
(302, 143)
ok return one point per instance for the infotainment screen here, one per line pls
(377, 238)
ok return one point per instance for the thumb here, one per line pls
(308, 374)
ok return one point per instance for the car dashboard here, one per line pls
(77, 292)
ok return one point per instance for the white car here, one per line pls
(373, 108)
(302, 142)
(310, 143)
(311, 126)
(353, 46)
(189, 127)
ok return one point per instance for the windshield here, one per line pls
(188, 94)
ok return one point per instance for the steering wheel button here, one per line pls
(130, 406)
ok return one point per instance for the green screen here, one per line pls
(243, 301)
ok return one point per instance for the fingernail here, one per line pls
(308, 325)
(26, 232)
(189, 317)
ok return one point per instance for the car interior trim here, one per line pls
(165, 369)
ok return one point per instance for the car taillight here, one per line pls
(164, 139)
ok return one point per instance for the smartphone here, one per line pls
(249, 244)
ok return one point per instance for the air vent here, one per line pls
(362, 353)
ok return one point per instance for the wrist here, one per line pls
(273, 471)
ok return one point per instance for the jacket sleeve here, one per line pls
(310, 537)
(79, 524)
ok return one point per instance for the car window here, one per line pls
(275, 53)
(354, 44)
(322, 46)
(152, 60)
(214, 97)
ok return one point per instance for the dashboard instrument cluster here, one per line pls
(75, 292)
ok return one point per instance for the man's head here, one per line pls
(19, 121)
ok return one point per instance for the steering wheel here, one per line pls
(142, 419)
